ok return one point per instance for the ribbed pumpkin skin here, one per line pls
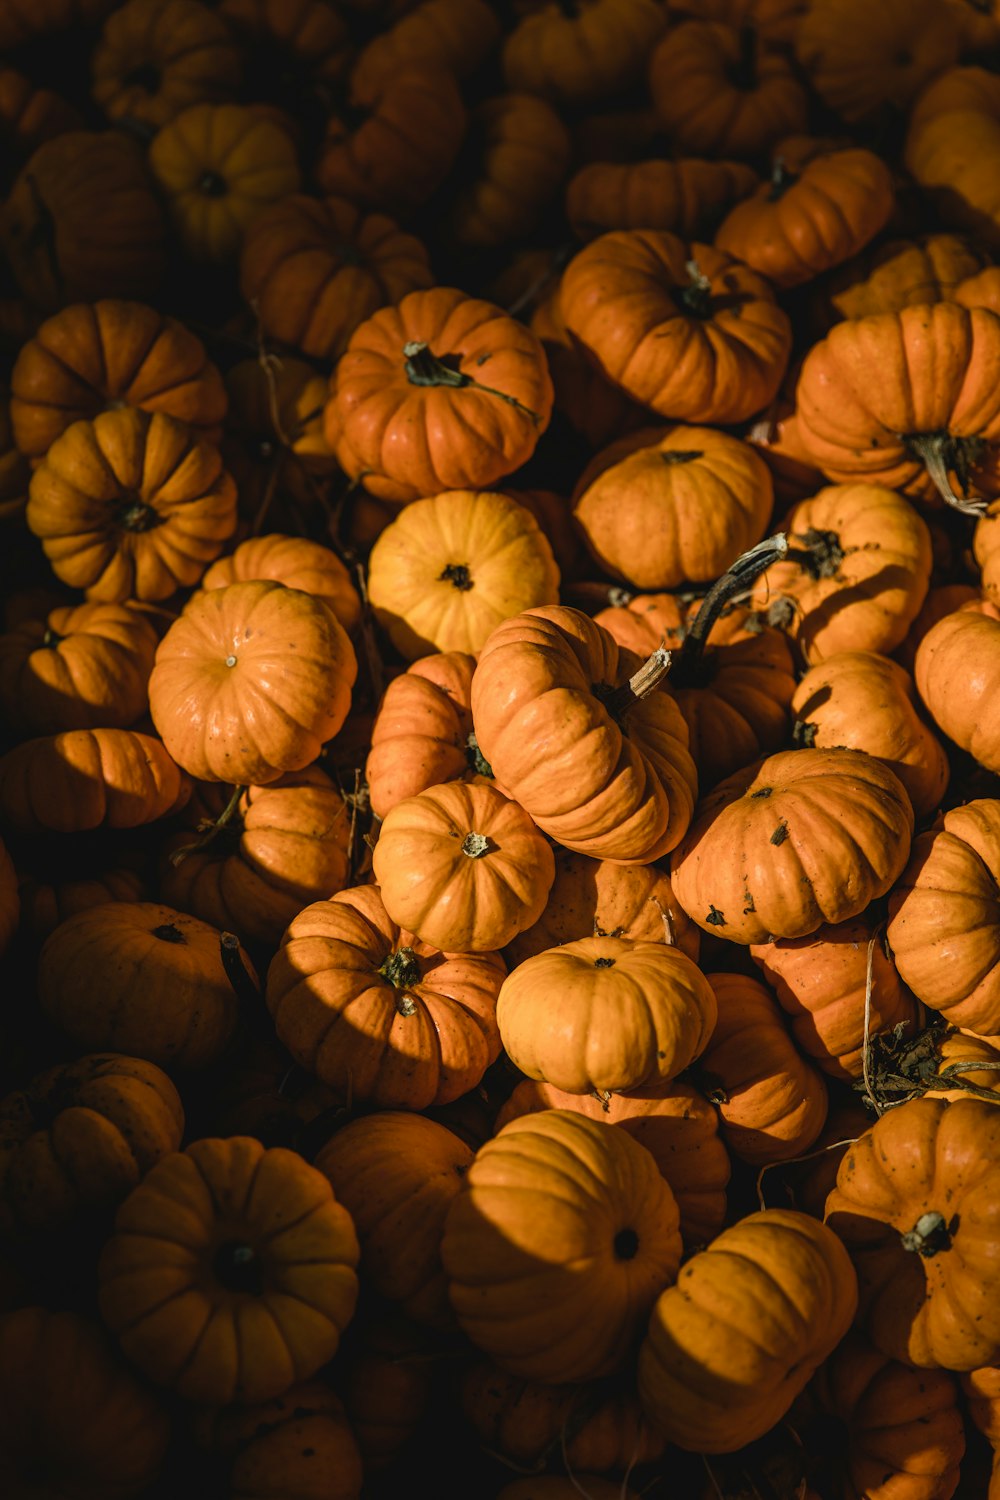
(526, 152)
(452, 36)
(861, 60)
(89, 778)
(182, 56)
(936, 1305)
(579, 56)
(898, 274)
(801, 838)
(605, 1015)
(688, 197)
(749, 1320)
(944, 926)
(74, 1420)
(560, 1213)
(621, 791)
(957, 672)
(297, 563)
(421, 733)
(110, 1119)
(171, 1285)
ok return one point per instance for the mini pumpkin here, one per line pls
(900, 273)
(89, 778)
(955, 669)
(583, 52)
(422, 732)
(689, 196)
(296, 562)
(300, 1444)
(524, 152)
(448, 36)
(859, 61)
(157, 57)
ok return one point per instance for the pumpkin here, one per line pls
(559, 1241)
(80, 1136)
(296, 51)
(982, 1392)
(598, 898)
(682, 328)
(674, 1122)
(217, 166)
(422, 732)
(721, 91)
(454, 36)
(386, 1391)
(523, 152)
(605, 1015)
(581, 52)
(409, 411)
(84, 667)
(776, 438)
(860, 60)
(820, 208)
(140, 978)
(231, 1271)
(396, 141)
(939, 602)
(59, 250)
(955, 669)
(798, 839)
(774, 20)
(933, 418)
(299, 1445)
(96, 356)
(986, 549)
(22, 22)
(398, 1175)
(772, 1104)
(900, 273)
(288, 843)
(821, 981)
(297, 563)
(15, 474)
(444, 574)
(88, 778)
(314, 268)
(250, 682)
(594, 408)
(689, 197)
(30, 115)
(920, 1240)
(377, 1015)
(131, 505)
(733, 687)
(73, 1417)
(462, 867)
(951, 150)
(944, 916)
(750, 1319)
(579, 734)
(680, 507)
(860, 700)
(157, 57)
(857, 572)
(48, 899)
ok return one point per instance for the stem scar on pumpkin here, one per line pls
(715, 917)
(780, 834)
(930, 1235)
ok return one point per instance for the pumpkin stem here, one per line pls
(822, 555)
(52, 638)
(619, 700)
(676, 456)
(401, 969)
(236, 970)
(697, 295)
(237, 1266)
(210, 832)
(941, 454)
(781, 180)
(457, 574)
(213, 184)
(736, 581)
(136, 515)
(928, 1236)
(475, 757)
(626, 1244)
(475, 845)
(424, 368)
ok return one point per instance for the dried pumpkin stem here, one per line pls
(654, 669)
(475, 757)
(210, 831)
(696, 296)
(941, 453)
(928, 1236)
(740, 577)
(781, 180)
(236, 971)
(475, 845)
(424, 368)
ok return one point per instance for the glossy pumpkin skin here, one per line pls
(581, 55)
(680, 507)
(84, 667)
(956, 667)
(860, 700)
(865, 576)
(704, 352)
(859, 61)
(598, 898)
(817, 211)
(314, 268)
(944, 915)
(212, 1258)
(398, 1175)
(89, 778)
(614, 788)
(772, 1103)
(798, 839)
(688, 197)
(94, 355)
(676, 1125)
(296, 562)
(605, 1015)
(735, 699)
(422, 732)
(556, 1211)
(820, 984)
(217, 166)
(299, 1445)
(408, 438)
(930, 1305)
(463, 867)
(139, 978)
(131, 506)
(80, 1136)
(749, 1320)
(287, 845)
(377, 1015)
(525, 153)
(73, 1416)
(451, 568)
(718, 96)
(250, 682)
(935, 360)
(157, 57)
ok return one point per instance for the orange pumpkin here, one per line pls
(595, 409)
(453, 36)
(861, 60)
(386, 1390)
(956, 667)
(900, 273)
(524, 151)
(951, 149)
(30, 115)
(583, 52)
(422, 733)
(89, 778)
(689, 197)
(157, 57)
(297, 563)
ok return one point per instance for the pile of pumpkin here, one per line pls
(499, 910)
